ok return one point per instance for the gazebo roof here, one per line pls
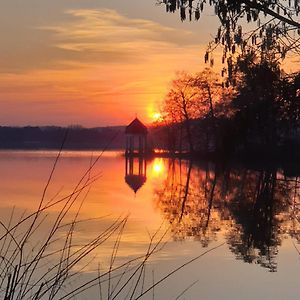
(136, 127)
(135, 181)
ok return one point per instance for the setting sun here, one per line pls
(156, 116)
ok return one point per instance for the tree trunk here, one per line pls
(189, 134)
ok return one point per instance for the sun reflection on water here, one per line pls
(158, 167)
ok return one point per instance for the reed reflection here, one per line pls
(253, 209)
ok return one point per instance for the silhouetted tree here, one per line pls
(267, 103)
(181, 104)
(192, 97)
(290, 101)
(216, 99)
(259, 97)
(276, 23)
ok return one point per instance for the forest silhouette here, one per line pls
(256, 116)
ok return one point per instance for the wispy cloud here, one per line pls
(109, 37)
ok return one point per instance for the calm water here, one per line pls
(251, 216)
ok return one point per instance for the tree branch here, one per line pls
(254, 4)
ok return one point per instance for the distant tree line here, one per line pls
(52, 137)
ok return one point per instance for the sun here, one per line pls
(156, 116)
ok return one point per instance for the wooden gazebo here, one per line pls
(135, 172)
(136, 138)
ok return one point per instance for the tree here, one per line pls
(290, 102)
(267, 101)
(274, 25)
(257, 101)
(193, 97)
(182, 104)
(215, 96)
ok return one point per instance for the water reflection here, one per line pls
(135, 172)
(254, 209)
(158, 167)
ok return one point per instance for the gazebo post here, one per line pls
(131, 165)
(131, 139)
(145, 145)
(140, 145)
(126, 165)
(127, 143)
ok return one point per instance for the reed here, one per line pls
(50, 267)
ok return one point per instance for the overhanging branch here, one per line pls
(254, 4)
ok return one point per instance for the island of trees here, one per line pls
(258, 114)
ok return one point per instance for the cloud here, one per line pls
(103, 35)
(93, 67)
(85, 36)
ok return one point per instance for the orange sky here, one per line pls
(91, 62)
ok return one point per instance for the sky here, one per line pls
(92, 62)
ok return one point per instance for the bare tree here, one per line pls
(181, 104)
(197, 96)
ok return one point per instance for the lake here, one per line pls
(239, 224)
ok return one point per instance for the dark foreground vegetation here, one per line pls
(46, 252)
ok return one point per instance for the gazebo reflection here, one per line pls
(135, 172)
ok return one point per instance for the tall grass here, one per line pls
(40, 258)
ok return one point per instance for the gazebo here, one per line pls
(136, 138)
(135, 172)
